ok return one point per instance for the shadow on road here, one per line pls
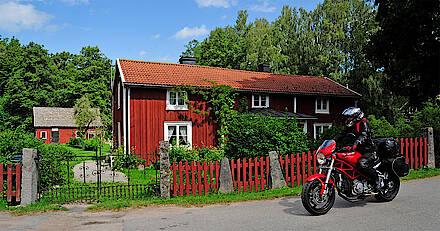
(293, 207)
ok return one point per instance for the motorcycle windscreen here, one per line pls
(327, 147)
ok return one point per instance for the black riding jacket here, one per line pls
(362, 136)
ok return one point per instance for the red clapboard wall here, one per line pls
(12, 175)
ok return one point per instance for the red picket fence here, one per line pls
(251, 174)
(11, 175)
(194, 178)
(298, 168)
(415, 151)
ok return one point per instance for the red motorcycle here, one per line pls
(339, 170)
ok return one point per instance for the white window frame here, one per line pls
(188, 125)
(320, 125)
(259, 101)
(45, 135)
(304, 126)
(176, 106)
(93, 133)
(76, 134)
(119, 95)
(322, 101)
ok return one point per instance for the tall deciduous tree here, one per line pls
(84, 114)
(407, 47)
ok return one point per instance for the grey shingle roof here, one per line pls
(57, 117)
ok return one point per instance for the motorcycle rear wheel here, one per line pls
(392, 186)
(313, 201)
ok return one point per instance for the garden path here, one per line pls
(88, 169)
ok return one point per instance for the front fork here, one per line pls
(329, 172)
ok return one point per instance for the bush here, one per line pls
(91, 145)
(51, 164)
(183, 153)
(126, 161)
(12, 143)
(75, 142)
(382, 128)
(253, 135)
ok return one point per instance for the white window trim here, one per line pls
(188, 124)
(175, 107)
(259, 100)
(45, 135)
(305, 125)
(76, 134)
(119, 134)
(294, 105)
(119, 95)
(321, 111)
(91, 133)
(315, 125)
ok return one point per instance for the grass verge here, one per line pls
(30, 209)
(189, 201)
(421, 173)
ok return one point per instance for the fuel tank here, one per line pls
(349, 157)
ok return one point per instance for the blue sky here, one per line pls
(141, 30)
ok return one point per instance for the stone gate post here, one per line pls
(30, 176)
(429, 134)
(164, 151)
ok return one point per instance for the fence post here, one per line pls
(226, 184)
(164, 151)
(276, 175)
(30, 176)
(429, 134)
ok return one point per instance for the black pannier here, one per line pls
(386, 147)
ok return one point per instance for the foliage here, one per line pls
(428, 116)
(91, 145)
(12, 143)
(126, 161)
(75, 142)
(37, 207)
(84, 114)
(30, 76)
(407, 46)
(182, 153)
(382, 128)
(51, 164)
(220, 100)
(327, 134)
(253, 135)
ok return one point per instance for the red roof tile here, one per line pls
(153, 73)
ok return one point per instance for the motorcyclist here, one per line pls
(356, 126)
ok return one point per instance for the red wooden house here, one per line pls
(147, 109)
(56, 125)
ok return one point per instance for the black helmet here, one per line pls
(353, 115)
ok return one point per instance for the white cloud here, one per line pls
(263, 8)
(15, 17)
(187, 32)
(215, 3)
(164, 58)
(156, 36)
(54, 28)
(75, 2)
(142, 53)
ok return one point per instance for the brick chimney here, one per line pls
(264, 67)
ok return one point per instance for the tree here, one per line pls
(407, 47)
(84, 114)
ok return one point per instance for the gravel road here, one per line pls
(417, 207)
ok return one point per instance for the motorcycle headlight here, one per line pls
(321, 158)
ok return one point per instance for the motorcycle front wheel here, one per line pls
(312, 199)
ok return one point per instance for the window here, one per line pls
(260, 101)
(178, 133)
(319, 128)
(119, 95)
(322, 106)
(43, 135)
(176, 100)
(90, 135)
(303, 125)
